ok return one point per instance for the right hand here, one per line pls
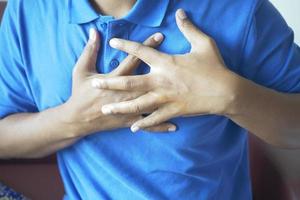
(83, 109)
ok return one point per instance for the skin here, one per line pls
(33, 135)
(106, 7)
(271, 115)
(199, 83)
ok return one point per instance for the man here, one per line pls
(47, 108)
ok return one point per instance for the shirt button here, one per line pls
(104, 25)
(114, 63)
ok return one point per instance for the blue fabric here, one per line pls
(207, 158)
(7, 193)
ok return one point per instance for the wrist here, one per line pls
(242, 93)
(235, 90)
(66, 118)
(80, 125)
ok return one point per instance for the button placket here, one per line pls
(114, 56)
(99, 28)
(104, 26)
(114, 63)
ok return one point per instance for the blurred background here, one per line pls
(290, 9)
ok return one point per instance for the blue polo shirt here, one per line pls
(207, 158)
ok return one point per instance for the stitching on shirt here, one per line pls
(251, 17)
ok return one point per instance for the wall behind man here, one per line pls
(290, 9)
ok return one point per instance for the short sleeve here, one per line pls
(15, 93)
(270, 56)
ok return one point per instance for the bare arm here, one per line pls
(199, 83)
(31, 135)
(271, 115)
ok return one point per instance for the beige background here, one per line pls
(290, 9)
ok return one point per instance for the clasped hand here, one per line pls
(82, 111)
(195, 83)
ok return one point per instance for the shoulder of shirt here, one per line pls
(240, 13)
(254, 6)
(24, 7)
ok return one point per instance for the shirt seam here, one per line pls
(249, 23)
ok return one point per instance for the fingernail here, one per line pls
(134, 129)
(92, 35)
(172, 129)
(114, 43)
(106, 110)
(158, 37)
(96, 83)
(181, 14)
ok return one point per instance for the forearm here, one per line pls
(272, 116)
(32, 135)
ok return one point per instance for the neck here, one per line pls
(115, 8)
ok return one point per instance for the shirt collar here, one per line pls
(144, 12)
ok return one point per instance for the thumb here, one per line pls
(188, 29)
(86, 63)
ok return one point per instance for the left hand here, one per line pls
(177, 85)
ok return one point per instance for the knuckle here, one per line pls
(154, 121)
(132, 60)
(136, 108)
(145, 85)
(130, 95)
(176, 109)
(158, 98)
(185, 23)
(172, 59)
(160, 127)
(115, 110)
(100, 93)
(144, 123)
(137, 49)
(152, 42)
(169, 60)
(156, 129)
(147, 81)
(131, 120)
(104, 85)
(127, 83)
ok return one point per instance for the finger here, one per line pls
(119, 96)
(161, 115)
(140, 105)
(130, 63)
(188, 29)
(137, 83)
(146, 54)
(164, 127)
(87, 61)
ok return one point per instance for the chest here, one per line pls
(51, 61)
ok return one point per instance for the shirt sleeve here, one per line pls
(270, 56)
(15, 93)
